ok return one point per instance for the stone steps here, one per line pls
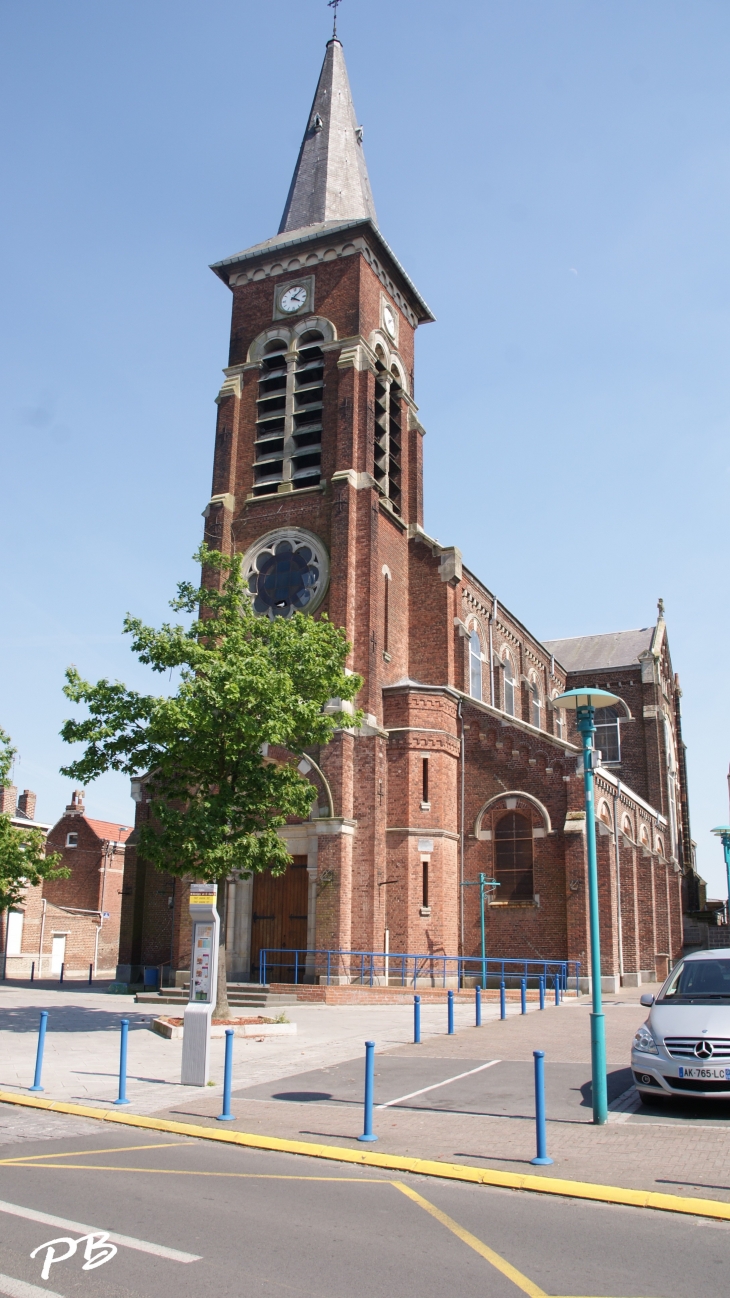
(240, 995)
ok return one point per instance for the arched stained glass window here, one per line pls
(475, 666)
(513, 857)
(509, 687)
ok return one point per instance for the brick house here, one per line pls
(71, 922)
(462, 764)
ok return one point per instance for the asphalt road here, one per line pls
(502, 1088)
(203, 1219)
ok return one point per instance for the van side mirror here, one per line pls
(647, 999)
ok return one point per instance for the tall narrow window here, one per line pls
(386, 612)
(388, 435)
(558, 721)
(509, 688)
(608, 734)
(535, 705)
(424, 780)
(288, 446)
(513, 857)
(475, 666)
(424, 880)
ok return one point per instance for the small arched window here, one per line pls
(660, 846)
(558, 721)
(513, 857)
(509, 687)
(608, 734)
(628, 828)
(644, 836)
(475, 666)
(535, 705)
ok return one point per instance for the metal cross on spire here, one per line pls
(332, 4)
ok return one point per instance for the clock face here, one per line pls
(294, 299)
(389, 320)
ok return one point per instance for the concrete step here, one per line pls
(256, 997)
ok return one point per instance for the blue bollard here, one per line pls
(523, 995)
(542, 1159)
(226, 1115)
(542, 991)
(416, 1020)
(39, 1053)
(451, 1012)
(478, 1006)
(123, 1064)
(557, 990)
(502, 1001)
(369, 1079)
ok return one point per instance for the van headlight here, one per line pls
(644, 1041)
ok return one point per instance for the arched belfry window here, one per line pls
(608, 734)
(475, 666)
(288, 447)
(388, 433)
(509, 687)
(513, 857)
(535, 705)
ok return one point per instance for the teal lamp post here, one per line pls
(723, 833)
(483, 883)
(584, 703)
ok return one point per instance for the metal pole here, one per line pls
(91, 974)
(542, 1159)
(523, 995)
(60, 980)
(557, 988)
(226, 1115)
(542, 991)
(39, 1053)
(482, 882)
(478, 1006)
(369, 1079)
(32, 971)
(123, 1064)
(585, 717)
(451, 1012)
(502, 1001)
(416, 1020)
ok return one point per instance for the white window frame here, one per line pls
(475, 663)
(509, 685)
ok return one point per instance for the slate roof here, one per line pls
(584, 653)
(330, 180)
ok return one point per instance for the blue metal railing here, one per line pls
(374, 968)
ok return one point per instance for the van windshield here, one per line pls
(696, 980)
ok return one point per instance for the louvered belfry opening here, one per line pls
(388, 435)
(306, 460)
(288, 446)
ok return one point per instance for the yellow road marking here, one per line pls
(82, 1153)
(527, 1286)
(176, 1171)
(713, 1208)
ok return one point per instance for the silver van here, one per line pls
(684, 1046)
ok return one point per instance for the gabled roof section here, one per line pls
(585, 653)
(109, 829)
(330, 180)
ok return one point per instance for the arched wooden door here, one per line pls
(280, 921)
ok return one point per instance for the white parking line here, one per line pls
(21, 1289)
(436, 1085)
(141, 1245)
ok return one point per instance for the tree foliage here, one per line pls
(23, 859)
(245, 682)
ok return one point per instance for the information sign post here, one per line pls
(203, 984)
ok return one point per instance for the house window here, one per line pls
(475, 666)
(509, 688)
(14, 934)
(535, 705)
(513, 857)
(288, 446)
(608, 734)
(72, 840)
(388, 434)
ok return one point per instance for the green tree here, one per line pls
(245, 682)
(23, 859)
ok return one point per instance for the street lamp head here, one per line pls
(587, 697)
(721, 830)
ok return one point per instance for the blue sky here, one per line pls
(555, 176)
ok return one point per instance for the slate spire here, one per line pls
(330, 180)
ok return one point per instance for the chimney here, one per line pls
(8, 799)
(26, 804)
(76, 805)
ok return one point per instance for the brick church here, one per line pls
(462, 765)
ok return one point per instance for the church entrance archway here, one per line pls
(279, 920)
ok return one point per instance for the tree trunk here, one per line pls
(222, 1009)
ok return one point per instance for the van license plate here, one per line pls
(709, 1074)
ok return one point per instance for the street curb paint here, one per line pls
(713, 1208)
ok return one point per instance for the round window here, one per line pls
(286, 572)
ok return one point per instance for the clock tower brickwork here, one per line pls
(461, 765)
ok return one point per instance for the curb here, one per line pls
(713, 1208)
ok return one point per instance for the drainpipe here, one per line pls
(616, 797)
(461, 830)
(102, 893)
(40, 941)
